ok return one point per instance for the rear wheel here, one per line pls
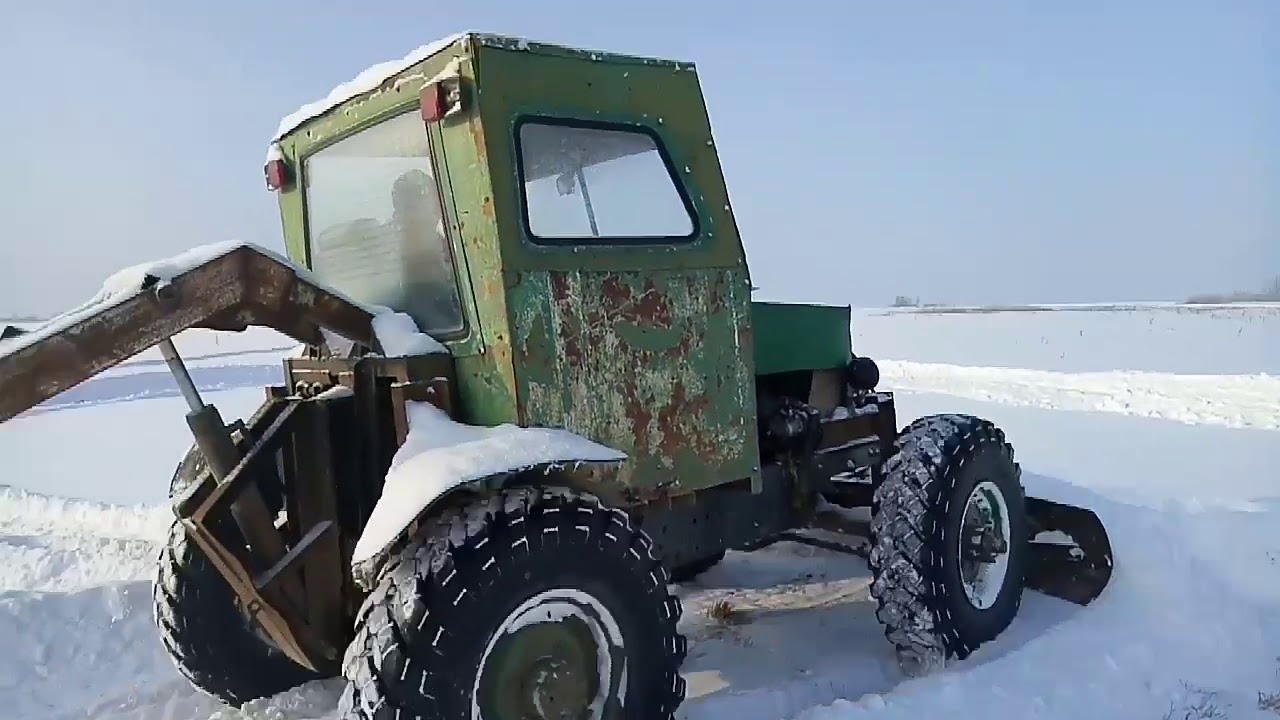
(211, 642)
(532, 604)
(949, 540)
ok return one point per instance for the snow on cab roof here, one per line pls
(368, 80)
(375, 76)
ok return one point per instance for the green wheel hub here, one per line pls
(558, 656)
(984, 545)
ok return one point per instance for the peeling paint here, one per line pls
(647, 362)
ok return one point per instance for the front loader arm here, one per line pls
(230, 288)
(242, 286)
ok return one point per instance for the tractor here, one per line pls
(533, 391)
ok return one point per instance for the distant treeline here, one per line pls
(20, 319)
(905, 301)
(1269, 294)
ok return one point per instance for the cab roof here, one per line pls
(374, 77)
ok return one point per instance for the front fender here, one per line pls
(441, 455)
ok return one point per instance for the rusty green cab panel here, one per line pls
(615, 303)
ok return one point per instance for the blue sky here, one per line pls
(964, 152)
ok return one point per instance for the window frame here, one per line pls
(434, 149)
(695, 220)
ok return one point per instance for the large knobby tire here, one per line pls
(211, 641)
(528, 596)
(945, 469)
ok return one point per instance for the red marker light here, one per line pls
(277, 172)
(440, 99)
(433, 103)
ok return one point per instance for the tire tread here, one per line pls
(908, 506)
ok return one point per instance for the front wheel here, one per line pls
(211, 642)
(949, 540)
(541, 603)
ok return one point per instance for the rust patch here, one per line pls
(651, 307)
(569, 345)
(648, 362)
(674, 415)
(477, 138)
(641, 418)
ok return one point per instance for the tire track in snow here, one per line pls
(1235, 401)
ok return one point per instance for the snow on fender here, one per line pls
(441, 454)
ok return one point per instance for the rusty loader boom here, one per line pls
(535, 391)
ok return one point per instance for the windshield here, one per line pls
(375, 224)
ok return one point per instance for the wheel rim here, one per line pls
(984, 545)
(558, 655)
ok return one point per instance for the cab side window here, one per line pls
(598, 183)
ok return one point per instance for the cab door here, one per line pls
(629, 327)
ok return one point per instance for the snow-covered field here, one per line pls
(1164, 419)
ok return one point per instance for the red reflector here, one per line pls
(277, 172)
(433, 101)
(440, 99)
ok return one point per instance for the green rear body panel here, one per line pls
(792, 337)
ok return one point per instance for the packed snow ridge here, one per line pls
(1237, 401)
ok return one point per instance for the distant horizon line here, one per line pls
(1262, 301)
